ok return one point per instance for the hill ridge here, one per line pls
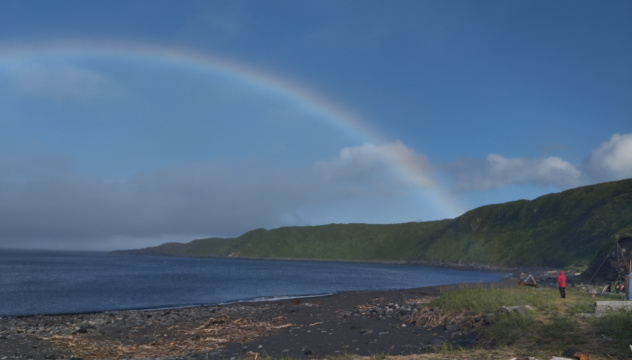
(559, 229)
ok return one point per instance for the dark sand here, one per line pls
(358, 322)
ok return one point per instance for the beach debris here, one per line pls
(575, 354)
(569, 354)
(254, 355)
(176, 340)
(518, 309)
(428, 317)
(555, 357)
(381, 309)
(528, 281)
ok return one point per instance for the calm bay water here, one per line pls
(74, 282)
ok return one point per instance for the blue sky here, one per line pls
(126, 124)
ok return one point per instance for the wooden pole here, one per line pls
(627, 282)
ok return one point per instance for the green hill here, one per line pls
(567, 228)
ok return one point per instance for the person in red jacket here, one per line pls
(561, 281)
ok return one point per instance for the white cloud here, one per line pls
(358, 163)
(498, 172)
(612, 160)
(378, 168)
(417, 167)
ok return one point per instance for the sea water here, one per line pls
(38, 282)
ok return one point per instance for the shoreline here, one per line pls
(359, 322)
(391, 284)
(511, 273)
(254, 300)
(420, 263)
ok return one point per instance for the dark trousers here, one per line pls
(563, 292)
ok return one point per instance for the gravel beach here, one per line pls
(358, 322)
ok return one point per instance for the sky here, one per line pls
(126, 124)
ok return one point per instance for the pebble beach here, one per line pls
(366, 323)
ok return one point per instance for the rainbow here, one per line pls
(337, 116)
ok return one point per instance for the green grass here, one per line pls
(508, 328)
(486, 300)
(617, 325)
(555, 325)
(560, 329)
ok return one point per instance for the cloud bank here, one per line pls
(611, 161)
(497, 172)
(47, 198)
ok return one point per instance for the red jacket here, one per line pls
(562, 279)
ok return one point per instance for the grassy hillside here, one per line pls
(560, 229)
(555, 229)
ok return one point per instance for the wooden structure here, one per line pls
(528, 281)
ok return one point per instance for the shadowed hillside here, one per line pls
(567, 228)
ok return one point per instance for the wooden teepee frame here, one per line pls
(620, 263)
